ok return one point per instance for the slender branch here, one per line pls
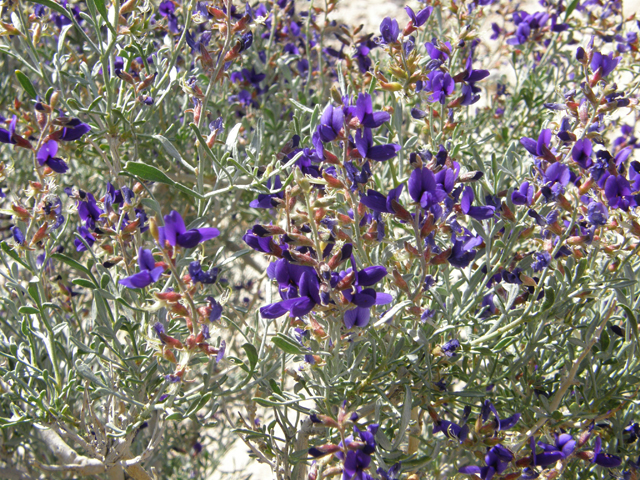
(68, 456)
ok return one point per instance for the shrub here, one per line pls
(410, 253)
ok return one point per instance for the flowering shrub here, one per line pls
(402, 254)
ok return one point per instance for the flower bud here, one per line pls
(40, 234)
(153, 228)
(347, 281)
(54, 99)
(20, 212)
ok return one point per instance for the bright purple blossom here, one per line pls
(270, 200)
(379, 203)
(419, 18)
(540, 147)
(389, 30)
(148, 273)
(603, 65)
(380, 153)
(424, 188)
(479, 213)
(8, 136)
(524, 195)
(497, 460)
(73, 130)
(363, 110)
(331, 123)
(87, 236)
(175, 232)
(440, 84)
(581, 153)
(46, 156)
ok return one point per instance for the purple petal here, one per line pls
(364, 106)
(383, 298)
(138, 280)
(467, 198)
(376, 119)
(337, 119)
(358, 317)
(375, 201)
(70, 134)
(371, 275)
(174, 225)
(274, 310)
(189, 239)
(299, 307)
(548, 458)
(530, 144)
(156, 273)
(382, 153)
(482, 213)
(362, 143)
(365, 298)
(208, 233)
(57, 165)
(145, 259)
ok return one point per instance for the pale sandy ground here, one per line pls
(237, 463)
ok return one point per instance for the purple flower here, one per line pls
(392, 474)
(557, 176)
(363, 298)
(331, 123)
(167, 10)
(450, 347)
(462, 253)
(175, 232)
(198, 275)
(148, 274)
(8, 136)
(261, 244)
(246, 41)
(479, 213)
(452, 430)
(18, 236)
(603, 65)
(389, 30)
(380, 153)
(497, 460)
(424, 188)
(270, 200)
(73, 130)
(597, 213)
(581, 153)
(85, 233)
(440, 84)
(496, 31)
(419, 18)
(435, 53)
(618, 192)
(604, 459)
(216, 309)
(46, 156)
(363, 110)
(470, 77)
(354, 465)
(379, 203)
(524, 195)
(539, 148)
(89, 211)
(549, 456)
(300, 299)
(542, 261)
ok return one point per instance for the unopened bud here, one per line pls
(40, 234)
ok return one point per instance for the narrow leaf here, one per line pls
(26, 84)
